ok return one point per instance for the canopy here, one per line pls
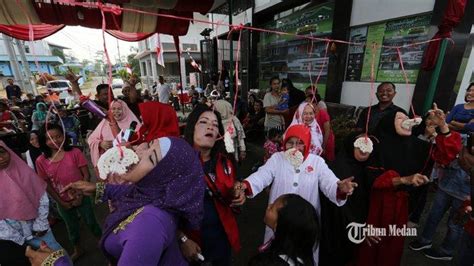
(128, 20)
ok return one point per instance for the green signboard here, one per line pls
(288, 56)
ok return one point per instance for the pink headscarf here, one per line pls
(104, 132)
(316, 133)
(21, 188)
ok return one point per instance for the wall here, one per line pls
(41, 48)
(264, 4)
(370, 11)
(468, 73)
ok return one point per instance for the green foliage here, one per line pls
(134, 63)
(59, 53)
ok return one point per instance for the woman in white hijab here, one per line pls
(305, 115)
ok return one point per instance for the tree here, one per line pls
(134, 63)
(59, 53)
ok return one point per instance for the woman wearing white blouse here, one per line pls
(297, 171)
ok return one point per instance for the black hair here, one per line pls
(384, 83)
(274, 78)
(43, 136)
(287, 83)
(297, 230)
(259, 101)
(2, 104)
(101, 87)
(468, 87)
(193, 118)
(273, 132)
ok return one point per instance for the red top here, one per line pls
(329, 152)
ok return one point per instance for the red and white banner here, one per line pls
(159, 51)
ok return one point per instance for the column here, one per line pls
(183, 71)
(154, 71)
(148, 73)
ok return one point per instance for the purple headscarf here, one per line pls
(175, 185)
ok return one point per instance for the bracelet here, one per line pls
(445, 134)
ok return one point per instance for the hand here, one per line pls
(346, 186)
(37, 257)
(106, 144)
(372, 240)
(242, 155)
(66, 205)
(190, 250)
(455, 125)
(71, 76)
(87, 188)
(430, 132)
(77, 201)
(239, 194)
(415, 180)
(437, 116)
(466, 160)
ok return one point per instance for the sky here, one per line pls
(85, 42)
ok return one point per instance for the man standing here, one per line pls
(385, 94)
(12, 90)
(273, 118)
(164, 91)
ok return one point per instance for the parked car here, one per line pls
(59, 86)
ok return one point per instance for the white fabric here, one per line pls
(164, 91)
(316, 133)
(22, 231)
(29, 161)
(314, 174)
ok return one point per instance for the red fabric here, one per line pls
(447, 148)
(6, 116)
(388, 206)
(159, 120)
(303, 133)
(22, 32)
(129, 36)
(329, 152)
(225, 184)
(453, 14)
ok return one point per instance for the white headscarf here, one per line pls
(316, 133)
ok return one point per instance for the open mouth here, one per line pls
(209, 135)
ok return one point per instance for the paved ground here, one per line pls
(250, 224)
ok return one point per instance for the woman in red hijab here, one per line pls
(159, 120)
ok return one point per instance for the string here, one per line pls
(406, 80)
(372, 89)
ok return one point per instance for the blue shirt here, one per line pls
(462, 115)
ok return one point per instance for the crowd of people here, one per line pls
(178, 204)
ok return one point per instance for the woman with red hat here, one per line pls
(295, 170)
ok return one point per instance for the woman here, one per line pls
(159, 120)
(167, 191)
(39, 116)
(295, 223)
(102, 137)
(232, 124)
(8, 120)
(306, 115)
(304, 175)
(350, 162)
(219, 232)
(399, 160)
(23, 209)
(34, 150)
(461, 116)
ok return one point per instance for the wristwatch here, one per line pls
(183, 239)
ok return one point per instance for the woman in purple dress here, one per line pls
(167, 189)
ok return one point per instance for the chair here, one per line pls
(185, 100)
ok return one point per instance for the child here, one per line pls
(71, 124)
(59, 167)
(296, 226)
(284, 99)
(272, 145)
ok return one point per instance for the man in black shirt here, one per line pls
(385, 94)
(12, 90)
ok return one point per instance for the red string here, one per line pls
(406, 80)
(372, 89)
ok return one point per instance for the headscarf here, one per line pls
(41, 115)
(21, 188)
(175, 185)
(104, 132)
(406, 155)
(316, 133)
(34, 152)
(301, 132)
(159, 120)
(226, 111)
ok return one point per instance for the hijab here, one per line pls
(316, 133)
(406, 155)
(34, 151)
(159, 120)
(301, 132)
(22, 189)
(41, 114)
(104, 132)
(228, 119)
